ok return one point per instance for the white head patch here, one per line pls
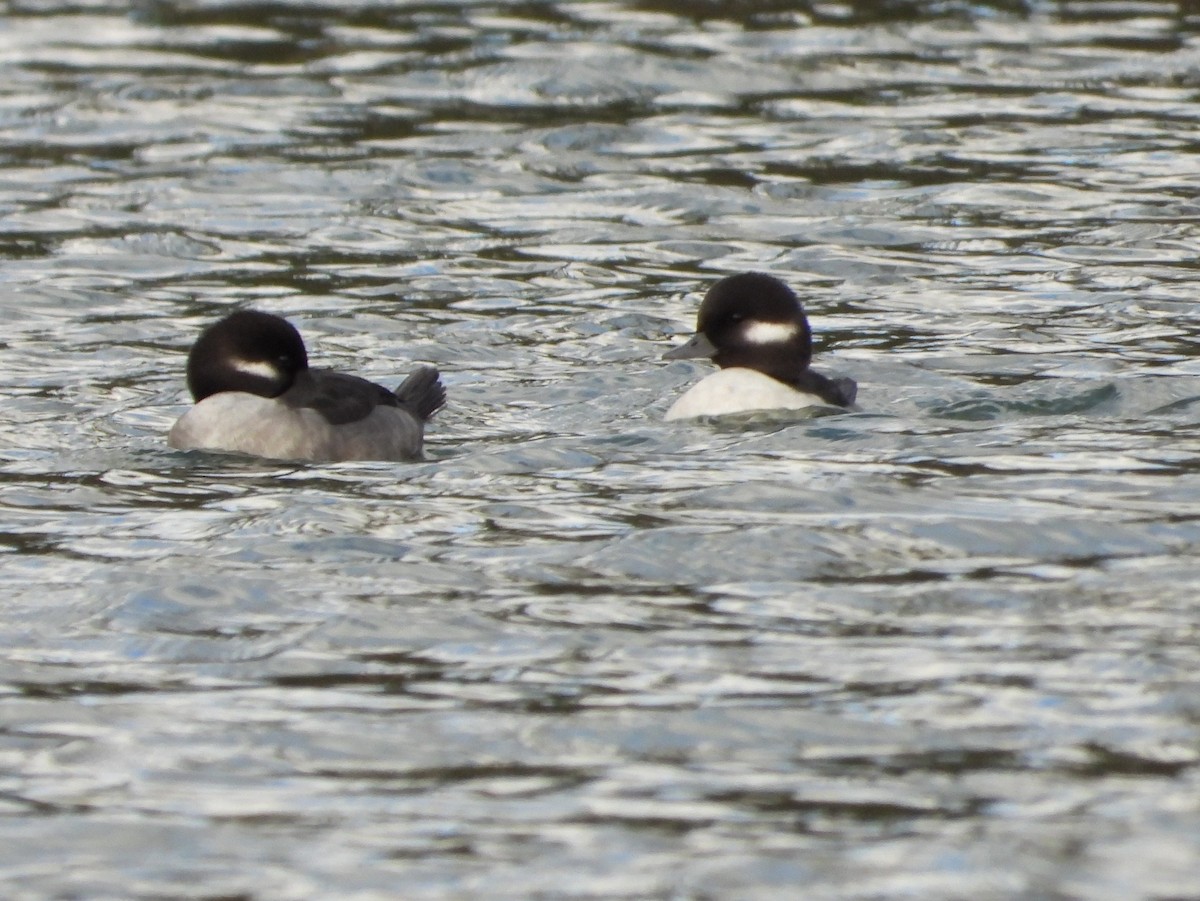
(258, 368)
(760, 332)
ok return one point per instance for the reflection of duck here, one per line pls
(255, 394)
(753, 326)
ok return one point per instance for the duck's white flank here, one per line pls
(262, 427)
(738, 390)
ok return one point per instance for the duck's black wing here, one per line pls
(340, 398)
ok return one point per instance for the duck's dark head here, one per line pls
(751, 320)
(250, 351)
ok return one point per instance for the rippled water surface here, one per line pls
(946, 647)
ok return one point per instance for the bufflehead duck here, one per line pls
(753, 326)
(255, 394)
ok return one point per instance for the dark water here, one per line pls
(944, 648)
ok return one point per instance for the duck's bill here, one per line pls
(698, 347)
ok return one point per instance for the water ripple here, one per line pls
(942, 647)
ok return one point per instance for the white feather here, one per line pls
(260, 368)
(760, 332)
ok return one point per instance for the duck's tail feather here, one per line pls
(849, 390)
(840, 392)
(422, 392)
